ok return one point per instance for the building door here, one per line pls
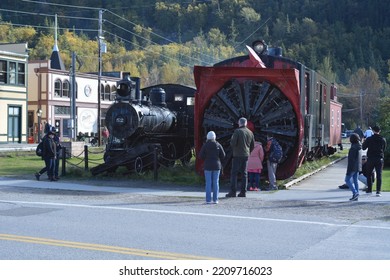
(14, 124)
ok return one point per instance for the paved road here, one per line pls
(312, 219)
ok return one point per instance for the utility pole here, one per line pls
(100, 38)
(73, 96)
(361, 109)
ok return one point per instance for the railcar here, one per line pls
(277, 95)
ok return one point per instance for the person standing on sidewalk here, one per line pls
(274, 154)
(376, 145)
(242, 144)
(212, 153)
(255, 166)
(354, 166)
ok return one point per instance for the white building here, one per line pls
(49, 98)
(13, 93)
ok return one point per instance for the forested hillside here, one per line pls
(160, 41)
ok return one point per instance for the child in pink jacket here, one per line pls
(255, 166)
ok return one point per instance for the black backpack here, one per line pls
(39, 149)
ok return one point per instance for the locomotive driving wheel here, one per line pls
(265, 106)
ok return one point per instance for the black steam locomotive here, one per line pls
(142, 123)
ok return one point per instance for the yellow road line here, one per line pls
(100, 247)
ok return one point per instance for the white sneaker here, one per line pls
(378, 194)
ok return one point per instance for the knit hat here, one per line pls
(211, 135)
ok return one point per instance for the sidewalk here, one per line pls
(319, 186)
(17, 147)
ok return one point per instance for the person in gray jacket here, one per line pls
(212, 153)
(242, 144)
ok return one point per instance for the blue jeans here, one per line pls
(212, 184)
(239, 165)
(271, 166)
(352, 182)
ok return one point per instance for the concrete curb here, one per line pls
(303, 177)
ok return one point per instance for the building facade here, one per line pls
(50, 100)
(13, 93)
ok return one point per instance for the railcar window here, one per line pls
(179, 97)
(190, 101)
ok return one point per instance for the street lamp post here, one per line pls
(39, 114)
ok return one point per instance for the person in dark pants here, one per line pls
(376, 145)
(242, 144)
(58, 151)
(212, 153)
(49, 156)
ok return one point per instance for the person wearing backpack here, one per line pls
(48, 155)
(274, 155)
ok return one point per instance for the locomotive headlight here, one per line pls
(260, 47)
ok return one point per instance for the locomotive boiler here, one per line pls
(140, 122)
(278, 96)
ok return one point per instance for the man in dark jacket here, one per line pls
(49, 156)
(242, 144)
(376, 146)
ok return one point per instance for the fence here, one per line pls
(141, 163)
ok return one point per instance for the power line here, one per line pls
(146, 39)
(61, 5)
(148, 49)
(212, 59)
(48, 27)
(157, 35)
(47, 15)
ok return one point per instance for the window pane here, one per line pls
(21, 74)
(12, 72)
(66, 89)
(3, 71)
(57, 88)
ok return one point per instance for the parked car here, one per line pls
(348, 132)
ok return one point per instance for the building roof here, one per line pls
(55, 60)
